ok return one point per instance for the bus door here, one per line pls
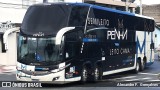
(72, 50)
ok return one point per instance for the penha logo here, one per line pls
(120, 23)
(120, 33)
(39, 34)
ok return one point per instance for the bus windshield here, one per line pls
(37, 50)
(48, 19)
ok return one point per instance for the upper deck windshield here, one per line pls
(38, 50)
(48, 19)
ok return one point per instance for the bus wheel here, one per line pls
(142, 65)
(84, 75)
(97, 74)
(136, 70)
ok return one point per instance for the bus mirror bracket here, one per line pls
(61, 33)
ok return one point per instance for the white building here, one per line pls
(12, 13)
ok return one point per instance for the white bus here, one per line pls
(80, 42)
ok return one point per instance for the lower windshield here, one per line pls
(37, 50)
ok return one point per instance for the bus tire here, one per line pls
(142, 65)
(136, 70)
(84, 74)
(97, 74)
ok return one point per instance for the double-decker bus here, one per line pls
(79, 42)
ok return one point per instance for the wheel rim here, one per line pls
(96, 73)
(137, 68)
(142, 67)
(84, 74)
(144, 64)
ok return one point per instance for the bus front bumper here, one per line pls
(57, 77)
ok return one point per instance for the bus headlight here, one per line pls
(55, 78)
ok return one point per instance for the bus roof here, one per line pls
(113, 10)
(51, 17)
(98, 7)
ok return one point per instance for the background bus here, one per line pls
(72, 42)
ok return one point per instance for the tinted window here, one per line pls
(48, 19)
(78, 16)
(72, 44)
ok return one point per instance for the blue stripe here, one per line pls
(89, 40)
(107, 9)
(39, 69)
(104, 8)
(138, 46)
(113, 10)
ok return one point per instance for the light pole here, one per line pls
(140, 7)
(127, 5)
